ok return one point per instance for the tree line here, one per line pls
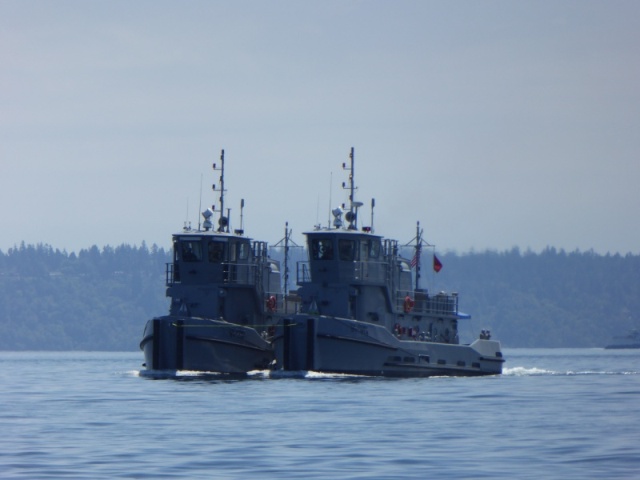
(548, 299)
(100, 298)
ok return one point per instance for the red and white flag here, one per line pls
(437, 265)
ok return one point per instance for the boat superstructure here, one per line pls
(225, 295)
(361, 314)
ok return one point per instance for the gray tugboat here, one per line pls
(361, 315)
(225, 294)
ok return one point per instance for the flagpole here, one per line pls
(418, 251)
(416, 260)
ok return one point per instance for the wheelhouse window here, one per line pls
(216, 251)
(238, 251)
(243, 250)
(374, 248)
(347, 249)
(322, 249)
(191, 250)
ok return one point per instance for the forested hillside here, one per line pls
(100, 299)
(550, 299)
(95, 300)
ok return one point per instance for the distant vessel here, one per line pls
(630, 340)
(225, 295)
(361, 315)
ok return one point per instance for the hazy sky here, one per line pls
(494, 123)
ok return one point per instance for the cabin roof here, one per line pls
(342, 233)
(210, 234)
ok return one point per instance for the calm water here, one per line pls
(554, 414)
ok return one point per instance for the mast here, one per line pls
(416, 257)
(241, 231)
(223, 222)
(373, 204)
(352, 214)
(415, 261)
(200, 204)
(284, 242)
(287, 233)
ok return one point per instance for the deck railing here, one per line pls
(422, 303)
(351, 272)
(227, 273)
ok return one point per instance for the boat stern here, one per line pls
(490, 355)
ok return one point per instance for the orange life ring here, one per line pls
(271, 303)
(408, 304)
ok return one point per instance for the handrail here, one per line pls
(231, 273)
(422, 303)
(354, 272)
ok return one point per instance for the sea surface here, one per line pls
(561, 413)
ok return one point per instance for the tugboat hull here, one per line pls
(200, 344)
(339, 345)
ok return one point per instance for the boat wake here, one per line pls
(526, 372)
(186, 375)
(532, 372)
(311, 375)
(199, 375)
